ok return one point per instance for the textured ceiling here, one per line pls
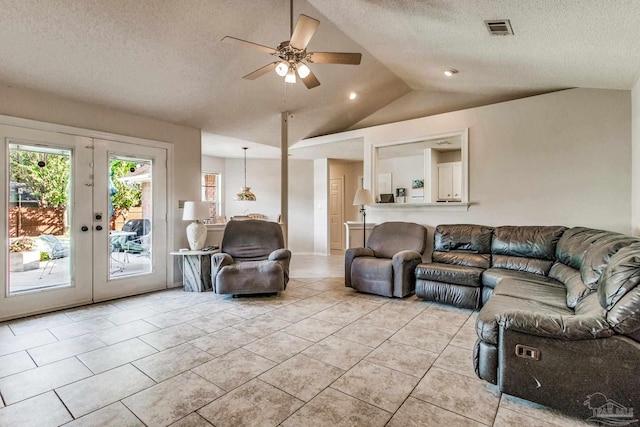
(164, 59)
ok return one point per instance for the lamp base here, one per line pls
(196, 235)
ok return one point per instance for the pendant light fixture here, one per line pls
(245, 195)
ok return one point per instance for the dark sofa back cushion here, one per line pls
(389, 238)
(599, 254)
(527, 241)
(462, 244)
(463, 237)
(620, 277)
(251, 240)
(574, 243)
(619, 291)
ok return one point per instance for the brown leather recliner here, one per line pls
(386, 266)
(252, 259)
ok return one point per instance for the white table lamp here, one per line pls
(196, 231)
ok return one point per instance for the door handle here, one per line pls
(84, 228)
(99, 227)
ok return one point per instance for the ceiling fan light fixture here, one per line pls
(282, 69)
(450, 72)
(290, 77)
(303, 70)
(353, 95)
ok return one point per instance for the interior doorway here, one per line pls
(336, 215)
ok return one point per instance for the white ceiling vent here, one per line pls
(499, 27)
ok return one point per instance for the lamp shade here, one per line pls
(363, 197)
(195, 211)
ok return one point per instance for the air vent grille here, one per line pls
(499, 27)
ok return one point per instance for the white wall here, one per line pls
(560, 158)
(635, 159)
(263, 176)
(34, 105)
(301, 206)
(320, 210)
(403, 170)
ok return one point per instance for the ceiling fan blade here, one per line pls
(261, 71)
(335, 58)
(250, 45)
(305, 28)
(310, 81)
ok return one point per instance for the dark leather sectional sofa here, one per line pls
(560, 317)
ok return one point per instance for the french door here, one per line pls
(68, 202)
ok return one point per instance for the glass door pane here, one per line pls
(46, 253)
(39, 215)
(130, 197)
(130, 216)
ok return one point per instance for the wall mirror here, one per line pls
(430, 170)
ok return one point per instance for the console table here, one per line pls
(196, 270)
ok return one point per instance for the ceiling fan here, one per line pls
(293, 54)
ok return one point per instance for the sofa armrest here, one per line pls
(565, 327)
(404, 275)
(349, 256)
(282, 257)
(218, 261)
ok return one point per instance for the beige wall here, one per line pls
(560, 158)
(263, 176)
(34, 105)
(635, 159)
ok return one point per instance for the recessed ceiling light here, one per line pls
(450, 72)
(353, 95)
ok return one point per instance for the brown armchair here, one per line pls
(386, 266)
(252, 259)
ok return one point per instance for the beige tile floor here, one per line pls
(318, 354)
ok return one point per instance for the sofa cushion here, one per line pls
(447, 273)
(492, 276)
(598, 255)
(530, 265)
(447, 293)
(463, 237)
(468, 259)
(574, 244)
(251, 240)
(619, 290)
(487, 323)
(537, 242)
(554, 296)
(621, 275)
(372, 275)
(572, 280)
(250, 277)
(389, 238)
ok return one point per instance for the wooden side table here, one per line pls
(196, 270)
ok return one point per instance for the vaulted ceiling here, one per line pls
(164, 59)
